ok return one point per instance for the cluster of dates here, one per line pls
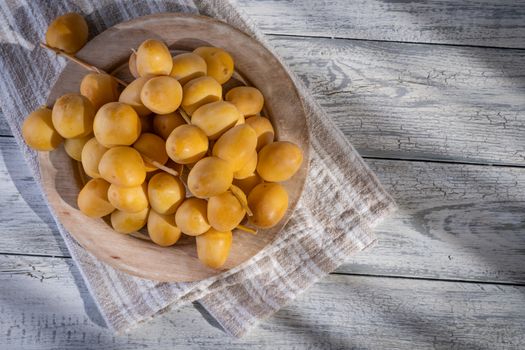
(173, 115)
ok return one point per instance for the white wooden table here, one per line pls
(433, 96)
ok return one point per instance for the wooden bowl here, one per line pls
(61, 176)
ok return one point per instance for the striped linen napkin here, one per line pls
(341, 202)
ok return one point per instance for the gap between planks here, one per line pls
(311, 36)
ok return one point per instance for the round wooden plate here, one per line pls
(61, 176)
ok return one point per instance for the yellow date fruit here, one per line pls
(219, 62)
(90, 157)
(248, 169)
(122, 166)
(213, 247)
(209, 177)
(93, 199)
(279, 161)
(116, 124)
(248, 100)
(153, 58)
(74, 147)
(268, 202)
(164, 124)
(38, 131)
(162, 229)
(129, 199)
(161, 95)
(124, 222)
(68, 33)
(165, 193)
(99, 88)
(225, 211)
(192, 218)
(187, 144)
(131, 96)
(264, 130)
(73, 115)
(215, 118)
(236, 146)
(200, 91)
(153, 147)
(188, 66)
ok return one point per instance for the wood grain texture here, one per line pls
(418, 101)
(471, 22)
(42, 308)
(455, 221)
(5, 130)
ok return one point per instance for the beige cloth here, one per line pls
(341, 203)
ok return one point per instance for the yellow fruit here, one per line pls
(209, 177)
(123, 222)
(268, 202)
(215, 118)
(191, 217)
(153, 58)
(213, 247)
(248, 169)
(225, 212)
(248, 100)
(236, 146)
(165, 193)
(122, 166)
(73, 115)
(132, 65)
(161, 95)
(93, 199)
(164, 124)
(129, 199)
(131, 96)
(74, 147)
(200, 91)
(279, 161)
(116, 124)
(162, 229)
(186, 144)
(91, 154)
(264, 130)
(218, 62)
(38, 131)
(99, 88)
(248, 183)
(188, 66)
(68, 33)
(153, 147)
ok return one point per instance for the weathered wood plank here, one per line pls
(42, 308)
(418, 101)
(472, 22)
(5, 130)
(26, 226)
(455, 221)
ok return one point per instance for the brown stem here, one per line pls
(246, 229)
(81, 63)
(241, 197)
(158, 165)
(185, 116)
